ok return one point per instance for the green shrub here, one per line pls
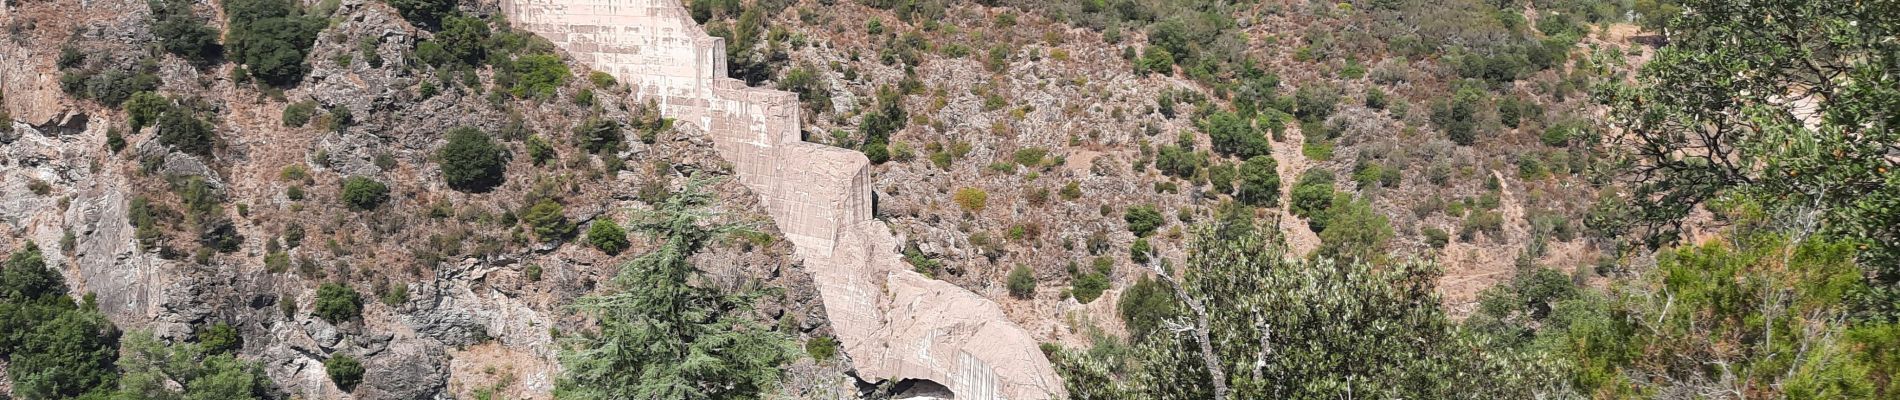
(607, 236)
(1459, 117)
(55, 347)
(822, 348)
(1375, 99)
(395, 294)
(971, 199)
(220, 338)
(1558, 135)
(1233, 135)
(1260, 182)
(1022, 282)
(337, 303)
(1138, 252)
(549, 220)
(144, 108)
(182, 32)
(182, 131)
(1072, 191)
(1143, 220)
(1315, 103)
(1031, 157)
(599, 134)
(1145, 306)
(362, 194)
(298, 114)
(601, 80)
(1313, 194)
(344, 370)
(471, 161)
(423, 12)
(1355, 232)
(270, 38)
(1088, 285)
(1437, 238)
(538, 75)
(539, 150)
(1156, 59)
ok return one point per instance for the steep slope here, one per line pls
(458, 288)
(894, 323)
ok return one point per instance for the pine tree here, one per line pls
(664, 336)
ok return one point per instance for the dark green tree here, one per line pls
(1260, 182)
(362, 194)
(607, 236)
(180, 129)
(182, 32)
(665, 335)
(423, 12)
(345, 370)
(270, 38)
(337, 303)
(1792, 103)
(1143, 220)
(471, 161)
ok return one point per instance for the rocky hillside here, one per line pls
(187, 193)
(1029, 142)
(415, 185)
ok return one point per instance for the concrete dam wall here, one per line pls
(892, 323)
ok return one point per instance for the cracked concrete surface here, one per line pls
(892, 322)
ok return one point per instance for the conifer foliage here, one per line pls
(663, 333)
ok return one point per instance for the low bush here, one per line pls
(298, 114)
(607, 236)
(1022, 282)
(344, 370)
(362, 194)
(1143, 220)
(971, 199)
(337, 303)
(1260, 182)
(179, 129)
(471, 161)
(549, 220)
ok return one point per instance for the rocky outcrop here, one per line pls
(894, 324)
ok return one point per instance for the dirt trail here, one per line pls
(1300, 240)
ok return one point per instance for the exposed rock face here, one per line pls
(893, 323)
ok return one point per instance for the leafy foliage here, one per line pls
(971, 199)
(549, 220)
(537, 75)
(270, 38)
(1143, 220)
(362, 194)
(337, 303)
(661, 335)
(423, 12)
(181, 129)
(182, 32)
(185, 371)
(1022, 282)
(1233, 135)
(471, 161)
(1715, 114)
(54, 348)
(1279, 328)
(1259, 182)
(1355, 233)
(345, 370)
(607, 236)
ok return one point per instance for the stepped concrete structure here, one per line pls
(892, 323)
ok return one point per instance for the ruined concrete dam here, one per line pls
(893, 323)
